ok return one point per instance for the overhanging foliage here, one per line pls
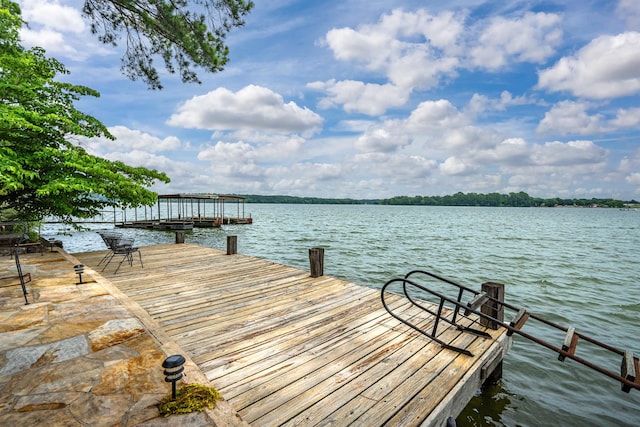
(183, 33)
(42, 171)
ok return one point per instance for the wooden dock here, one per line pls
(287, 349)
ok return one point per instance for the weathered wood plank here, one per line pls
(317, 377)
(310, 346)
(345, 403)
(262, 309)
(443, 373)
(292, 333)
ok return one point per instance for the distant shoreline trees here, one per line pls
(520, 199)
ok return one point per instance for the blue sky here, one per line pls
(375, 99)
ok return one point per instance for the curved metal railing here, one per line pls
(449, 310)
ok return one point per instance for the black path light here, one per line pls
(79, 269)
(173, 368)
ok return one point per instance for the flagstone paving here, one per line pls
(83, 354)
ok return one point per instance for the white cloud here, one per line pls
(246, 163)
(608, 67)
(430, 115)
(397, 37)
(52, 41)
(627, 118)
(358, 97)
(232, 159)
(180, 172)
(411, 49)
(453, 166)
(355, 125)
(574, 154)
(300, 178)
(251, 108)
(50, 23)
(509, 152)
(367, 45)
(568, 117)
(136, 139)
(479, 104)
(272, 145)
(53, 15)
(225, 152)
(420, 70)
(131, 140)
(434, 129)
(381, 139)
(394, 167)
(532, 38)
(416, 51)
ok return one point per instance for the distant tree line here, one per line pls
(520, 199)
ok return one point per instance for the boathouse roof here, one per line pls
(201, 196)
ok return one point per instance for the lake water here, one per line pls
(576, 267)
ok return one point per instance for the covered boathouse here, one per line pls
(186, 211)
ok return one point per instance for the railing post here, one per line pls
(232, 245)
(179, 237)
(495, 310)
(316, 261)
(492, 308)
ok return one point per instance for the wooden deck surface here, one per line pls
(287, 349)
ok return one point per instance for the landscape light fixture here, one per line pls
(79, 269)
(173, 368)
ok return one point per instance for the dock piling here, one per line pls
(232, 245)
(179, 237)
(493, 372)
(492, 308)
(316, 261)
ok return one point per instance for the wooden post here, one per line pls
(627, 369)
(232, 245)
(495, 310)
(491, 308)
(316, 261)
(179, 237)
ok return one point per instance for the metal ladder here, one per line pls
(452, 310)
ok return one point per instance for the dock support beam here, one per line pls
(316, 261)
(179, 237)
(232, 245)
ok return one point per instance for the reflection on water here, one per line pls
(487, 407)
(578, 267)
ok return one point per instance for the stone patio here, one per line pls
(84, 354)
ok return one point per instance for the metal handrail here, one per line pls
(438, 314)
(513, 327)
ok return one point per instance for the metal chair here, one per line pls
(110, 239)
(123, 247)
